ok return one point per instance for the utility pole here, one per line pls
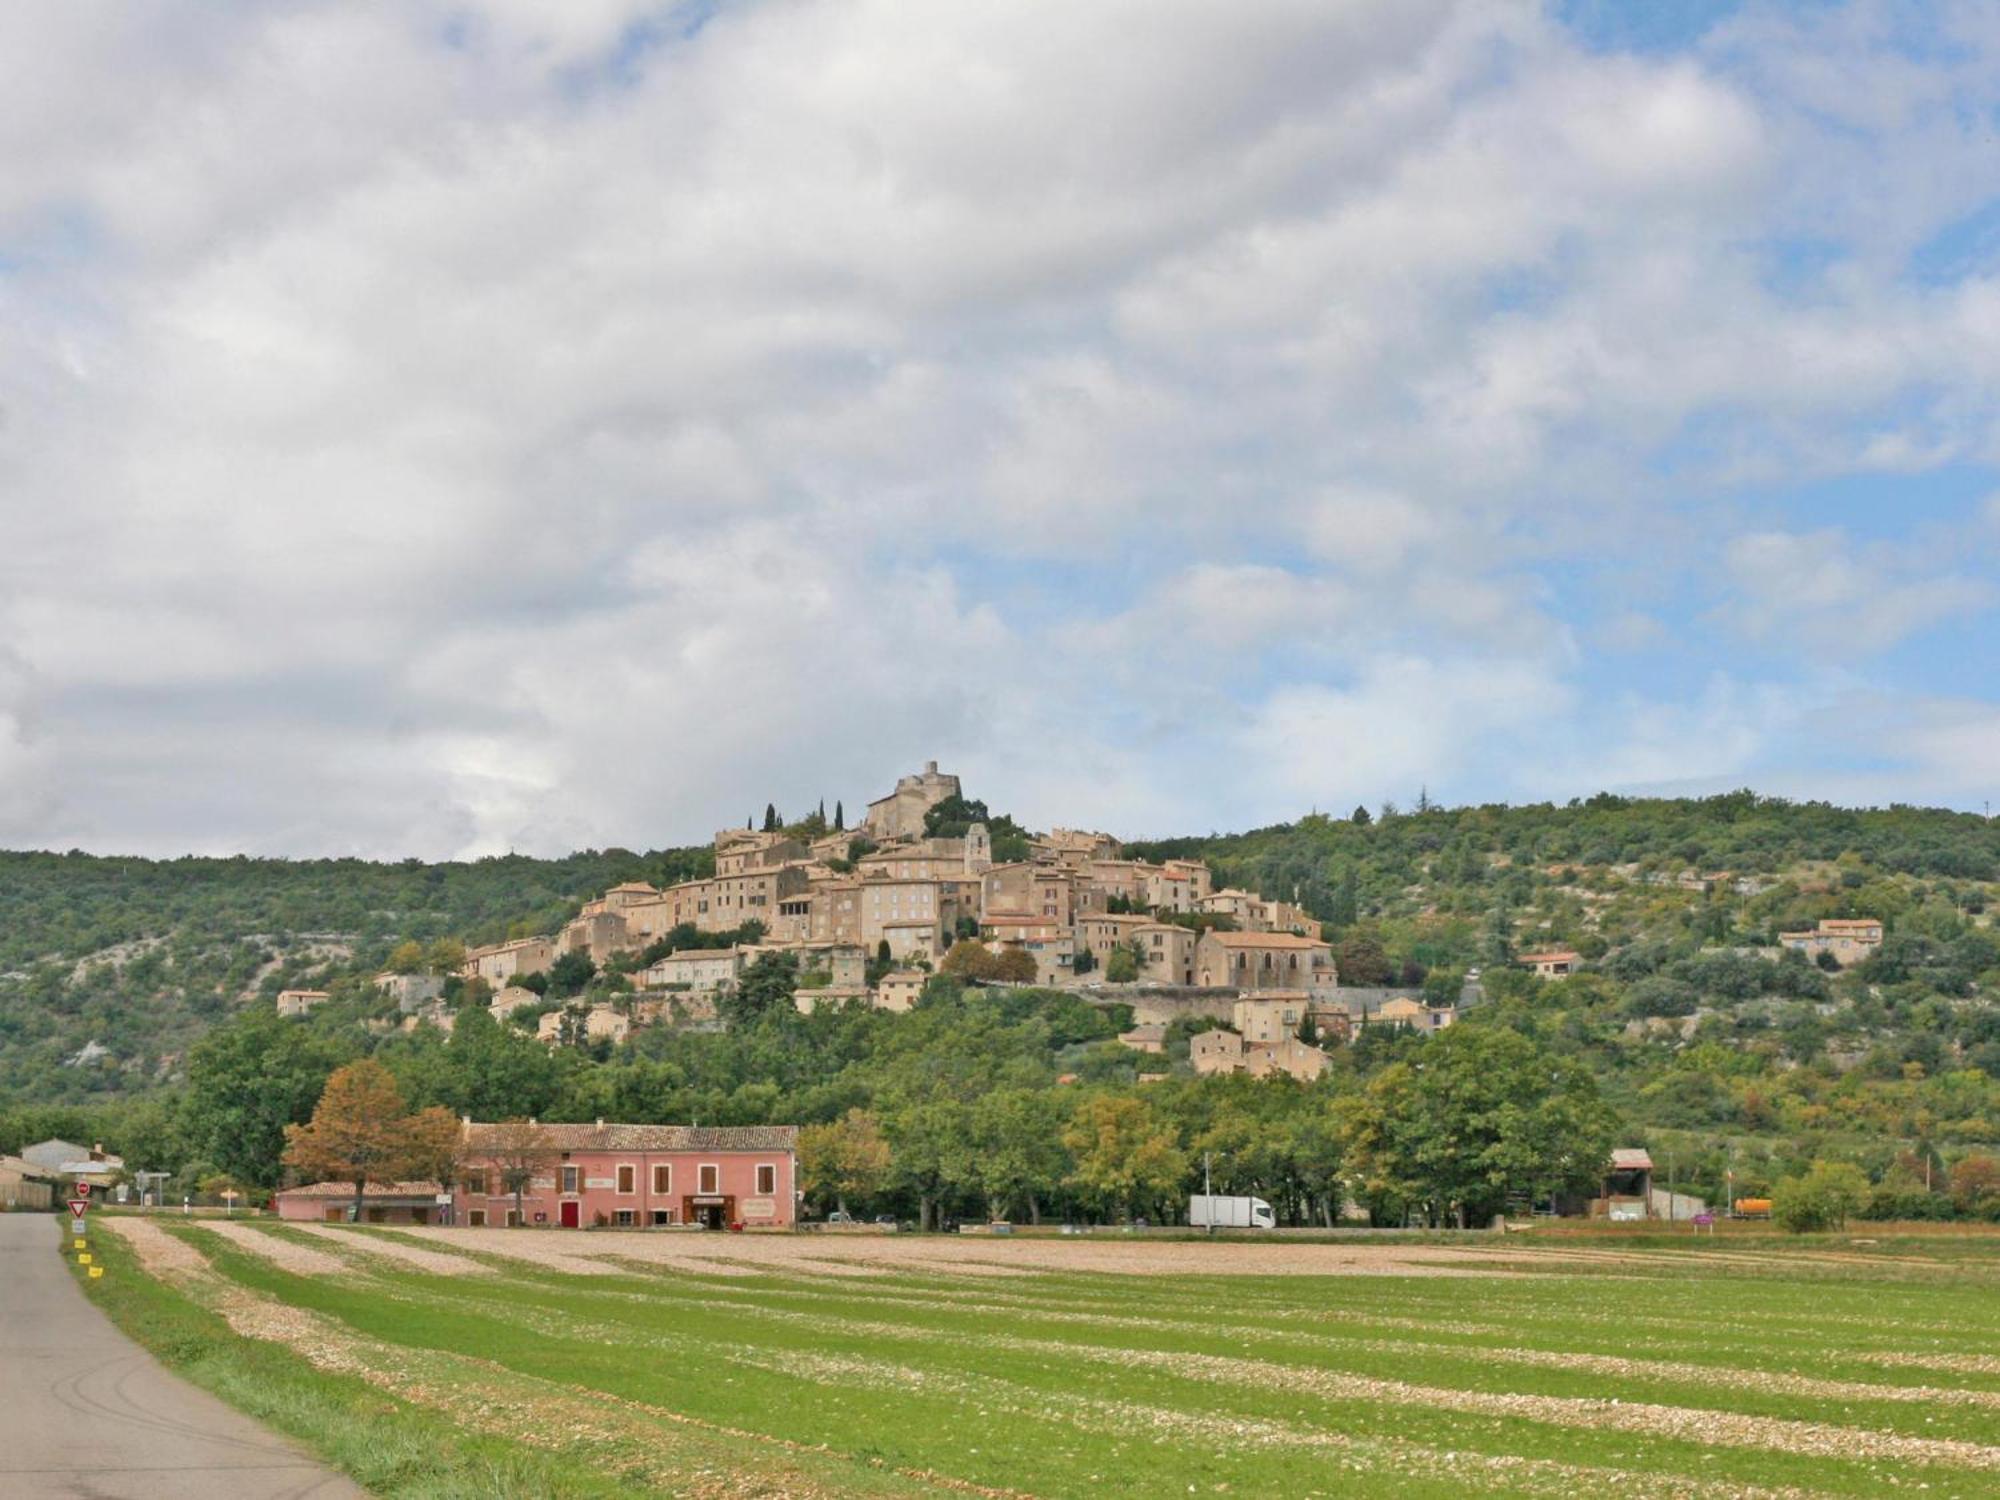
(1208, 1192)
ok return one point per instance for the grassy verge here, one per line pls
(390, 1447)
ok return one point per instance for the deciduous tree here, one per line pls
(1124, 1155)
(845, 1159)
(361, 1132)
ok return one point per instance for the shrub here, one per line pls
(1822, 1197)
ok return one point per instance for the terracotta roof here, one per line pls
(1263, 940)
(1549, 956)
(654, 1137)
(428, 1191)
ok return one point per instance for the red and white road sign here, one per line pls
(78, 1207)
(83, 1190)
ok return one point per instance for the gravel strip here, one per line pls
(968, 1255)
(390, 1248)
(286, 1255)
(160, 1254)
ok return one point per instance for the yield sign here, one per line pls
(78, 1207)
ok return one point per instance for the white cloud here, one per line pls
(1830, 593)
(447, 426)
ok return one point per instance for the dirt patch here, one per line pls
(591, 1253)
(414, 1256)
(286, 1255)
(159, 1253)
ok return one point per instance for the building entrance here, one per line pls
(710, 1210)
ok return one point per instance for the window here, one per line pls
(513, 1218)
(663, 1216)
(476, 1218)
(663, 1179)
(569, 1179)
(625, 1218)
(475, 1184)
(628, 1177)
(767, 1179)
(710, 1178)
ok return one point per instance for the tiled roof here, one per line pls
(425, 1190)
(1263, 940)
(653, 1137)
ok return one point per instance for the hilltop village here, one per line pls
(867, 916)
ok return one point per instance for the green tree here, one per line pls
(1122, 966)
(765, 989)
(1125, 1157)
(1018, 1150)
(1476, 1115)
(930, 1154)
(248, 1081)
(845, 1159)
(1344, 908)
(407, 957)
(1824, 1196)
(570, 974)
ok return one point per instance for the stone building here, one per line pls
(900, 815)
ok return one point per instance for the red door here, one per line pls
(572, 1214)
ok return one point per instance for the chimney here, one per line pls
(97, 1151)
(600, 1122)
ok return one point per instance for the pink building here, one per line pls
(630, 1176)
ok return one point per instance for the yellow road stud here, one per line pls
(83, 1259)
(95, 1272)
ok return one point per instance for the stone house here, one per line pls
(1250, 961)
(1849, 940)
(500, 962)
(899, 989)
(409, 990)
(1554, 963)
(295, 1003)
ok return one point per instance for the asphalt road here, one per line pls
(86, 1413)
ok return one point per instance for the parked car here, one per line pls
(837, 1217)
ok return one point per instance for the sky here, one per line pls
(436, 429)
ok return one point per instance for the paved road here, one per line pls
(85, 1413)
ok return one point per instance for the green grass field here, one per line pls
(1642, 1371)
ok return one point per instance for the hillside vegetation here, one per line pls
(1735, 1064)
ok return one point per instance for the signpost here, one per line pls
(1704, 1221)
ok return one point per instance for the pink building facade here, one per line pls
(632, 1176)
